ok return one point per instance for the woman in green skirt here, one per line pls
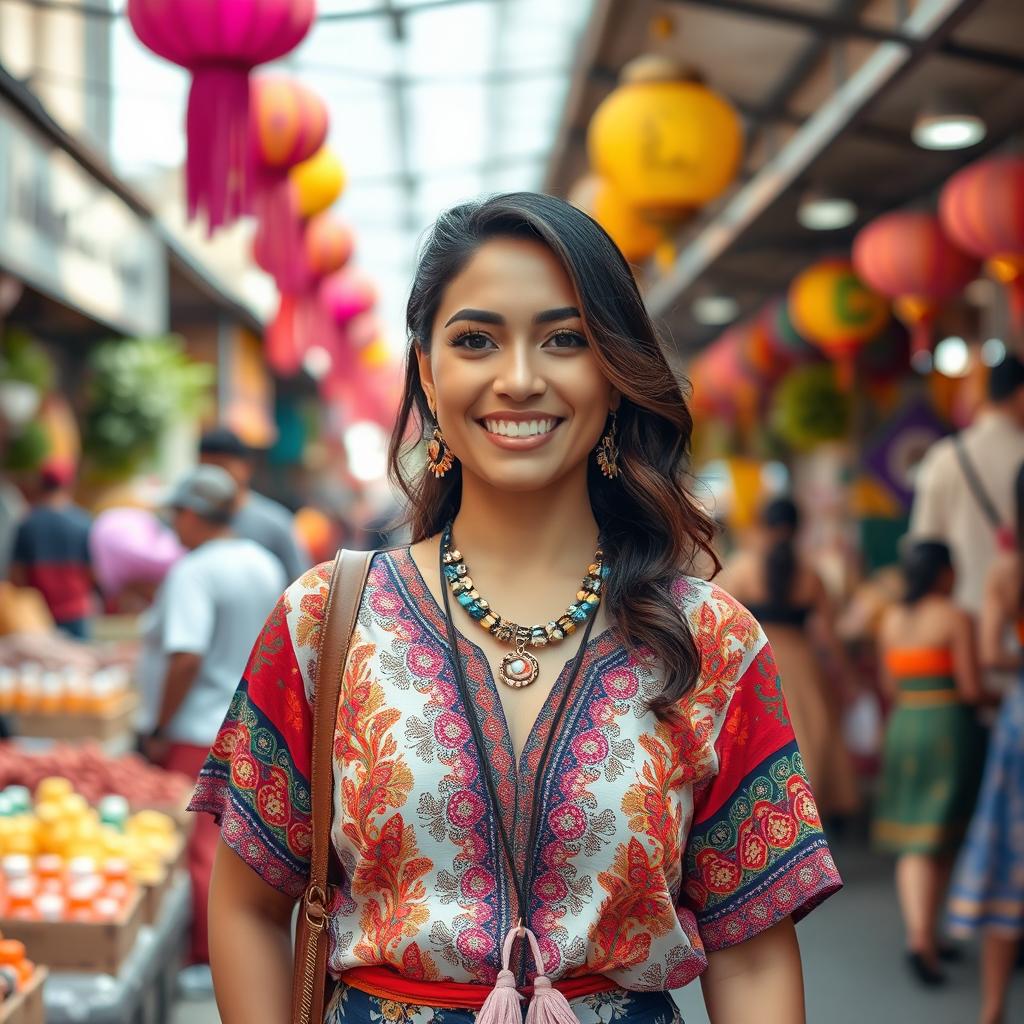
(934, 746)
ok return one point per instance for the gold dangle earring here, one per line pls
(439, 455)
(608, 450)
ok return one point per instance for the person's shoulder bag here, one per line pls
(309, 974)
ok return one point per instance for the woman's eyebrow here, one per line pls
(481, 315)
(552, 315)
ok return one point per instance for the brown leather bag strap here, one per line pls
(343, 598)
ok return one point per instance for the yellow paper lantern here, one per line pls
(833, 309)
(318, 182)
(637, 238)
(666, 141)
(375, 356)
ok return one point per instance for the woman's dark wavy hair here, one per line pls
(650, 526)
(780, 563)
(923, 563)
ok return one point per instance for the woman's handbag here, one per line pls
(309, 974)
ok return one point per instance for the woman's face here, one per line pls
(517, 391)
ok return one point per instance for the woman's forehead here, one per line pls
(511, 276)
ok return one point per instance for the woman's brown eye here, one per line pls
(567, 339)
(472, 340)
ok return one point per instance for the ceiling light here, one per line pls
(952, 357)
(820, 210)
(715, 310)
(948, 123)
(993, 352)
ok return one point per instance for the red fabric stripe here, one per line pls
(386, 983)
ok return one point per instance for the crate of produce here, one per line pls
(26, 1006)
(99, 946)
(114, 722)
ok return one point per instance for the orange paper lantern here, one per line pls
(318, 181)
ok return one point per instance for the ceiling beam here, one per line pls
(928, 25)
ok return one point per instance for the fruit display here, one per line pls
(94, 774)
(31, 688)
(16, 970)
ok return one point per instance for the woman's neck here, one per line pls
(553, 528)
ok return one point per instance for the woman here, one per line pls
(651, 822)
(789, 599)
(988, 888)
(934, 747)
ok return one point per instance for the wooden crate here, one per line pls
(26, 1006)
(118, 722)
(100, 947)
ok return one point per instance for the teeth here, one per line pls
(524, 428)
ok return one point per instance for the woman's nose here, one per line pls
(518, 378)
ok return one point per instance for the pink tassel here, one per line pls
(548, 1005)
(502, 1004)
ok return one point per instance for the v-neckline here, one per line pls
(436, 619)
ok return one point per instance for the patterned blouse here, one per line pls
(658, 842)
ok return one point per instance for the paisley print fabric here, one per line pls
(656, 843)
(350, 1006)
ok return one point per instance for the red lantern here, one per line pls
(288, 125)
(982, 210)
(329, 244)
(907, 257)
(219, 41)
(722, 388)
(346, 294)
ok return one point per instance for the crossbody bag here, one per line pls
(309, 974)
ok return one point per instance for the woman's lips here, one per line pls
(520, 444)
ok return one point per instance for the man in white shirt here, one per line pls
(964, 488)
(214, 603)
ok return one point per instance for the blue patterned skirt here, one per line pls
(351, 1006)
(988, 887)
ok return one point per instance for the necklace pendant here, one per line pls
(518, 669)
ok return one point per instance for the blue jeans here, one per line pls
(350, 1006)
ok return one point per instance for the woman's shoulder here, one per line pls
(714, 615)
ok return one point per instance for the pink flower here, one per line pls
(462, 768)
(450, 730)
(465, 809)
(385, 602)
(424, 661)
(621, 683)
(474, 943)
(590, 747)
(574, 784)
(477, 883)
(603, 711)
(557, 855)
(550, 954)
(551, 888)
(567, 821)
(544, 921)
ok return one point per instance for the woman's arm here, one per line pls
(966, 668)
(757, 980)
(250, 943)
(997, 613)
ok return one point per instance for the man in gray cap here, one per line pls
(212, 606)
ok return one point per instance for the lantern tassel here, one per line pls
(918, 315)
(281, 230)
(217, 126)
(283, 352)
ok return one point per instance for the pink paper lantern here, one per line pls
(219, 42)
(346, 294)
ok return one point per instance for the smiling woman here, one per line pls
(585, 807)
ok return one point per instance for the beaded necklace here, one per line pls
(519, 667)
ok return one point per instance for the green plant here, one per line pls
(809, 408)
(27, 451)
(135, 390)
(24, 359)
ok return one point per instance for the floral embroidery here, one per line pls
(656, 840)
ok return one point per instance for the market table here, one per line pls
(142, 992)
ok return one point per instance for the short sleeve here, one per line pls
(256, 778)
(929, 516)
(190, 614)
(756, 852)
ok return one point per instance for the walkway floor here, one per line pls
(853, 963)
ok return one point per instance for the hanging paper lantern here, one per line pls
(346, 294)
(809, 408)
(907, 256)
(782, 335)
(288, 125)
(319, 181)
(376, 355)
(636, 237)
(982, 211)
(329, 244)
(665, 141)
(833, 309)
(722, 387)
(219, 41)
(363, 330)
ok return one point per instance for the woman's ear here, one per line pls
(426, 376)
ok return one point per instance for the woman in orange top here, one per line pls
(934, 746)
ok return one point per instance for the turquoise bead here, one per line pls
(476, 611)
(579, 613)
(605, 572)
(464, 599)
(451, 573)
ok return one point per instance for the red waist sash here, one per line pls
(386, 983)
